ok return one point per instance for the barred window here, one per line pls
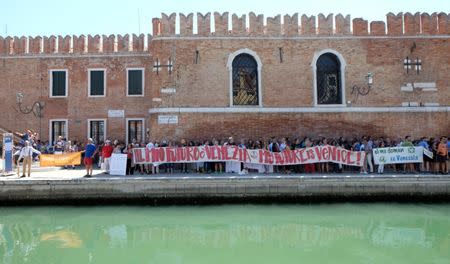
(135, 130)
(57, 128)
(329, 90)
(97, 131)
(245, 80)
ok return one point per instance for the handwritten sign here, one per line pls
(398, 155)
(256, 156)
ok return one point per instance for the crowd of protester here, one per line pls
(99, 153)
(438, 146)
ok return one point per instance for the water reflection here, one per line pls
(288, 234)
(117, 236)
(169, 234)
(66, 238)
(400, 236)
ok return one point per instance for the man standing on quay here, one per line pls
(27, 154)
(89, 153)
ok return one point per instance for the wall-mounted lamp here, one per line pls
(36, 108)
(363, 90)
(369, 78)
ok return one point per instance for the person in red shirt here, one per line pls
(107, 151)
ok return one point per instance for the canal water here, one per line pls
(319, 233)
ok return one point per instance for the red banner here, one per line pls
(258, 156)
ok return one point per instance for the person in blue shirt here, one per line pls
(89, 153)
(425, 165)
(448, 145)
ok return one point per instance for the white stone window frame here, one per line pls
(89, 127)
(127, 120)
(50, 128)
(143, 82)
(343, 64)
(231, 58)
(50, 74)
(89, 82)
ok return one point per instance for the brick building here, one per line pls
(291, 76)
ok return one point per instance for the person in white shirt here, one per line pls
(27, 154)
(150, 145)
(154, 168)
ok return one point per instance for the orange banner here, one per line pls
(51, 160)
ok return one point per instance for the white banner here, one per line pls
(398, 155)
(118, 164)
(315, 154)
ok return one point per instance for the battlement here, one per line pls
(418, 24)
(396, 25)
(73, 44)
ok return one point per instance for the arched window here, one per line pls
(245, 80)
(329, 84)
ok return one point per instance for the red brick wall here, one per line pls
(289, 84)
(205, 126)
(24, 75)
(206, 83)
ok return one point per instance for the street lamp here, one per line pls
(363, 90)
(36, 108)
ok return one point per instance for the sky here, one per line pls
(59, 17)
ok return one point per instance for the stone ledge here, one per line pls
(301, 187)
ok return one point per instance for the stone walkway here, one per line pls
(56, 174)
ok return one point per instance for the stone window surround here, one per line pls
(126, 127)
(230, 71)
(89, 82)
(50, 74)
(50, 127)
(143, 82)
(89, 127)
(342, 70)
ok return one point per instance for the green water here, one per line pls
(336, 233)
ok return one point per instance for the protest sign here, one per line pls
(428, 153)
(118, 164)
(398, 155)
(66, 159)
(257, 156)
